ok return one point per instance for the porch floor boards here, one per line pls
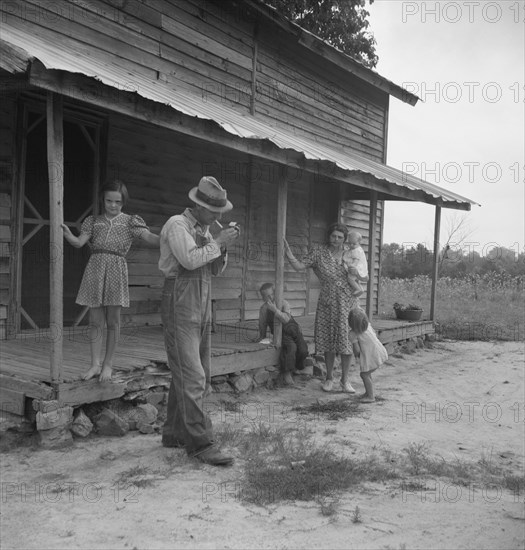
(25, 359)
(27, 356)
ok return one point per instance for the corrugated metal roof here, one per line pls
(110, 72)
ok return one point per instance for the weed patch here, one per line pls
(331, 410)
(418, 462)
(285, 464)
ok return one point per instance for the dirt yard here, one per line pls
(462, 402)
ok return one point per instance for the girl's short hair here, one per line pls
(114, 185)
(357, 320)
(341, 227)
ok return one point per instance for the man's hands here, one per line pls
(227, 236)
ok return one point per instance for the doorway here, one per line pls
(81, 179)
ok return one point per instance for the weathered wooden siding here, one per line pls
(262, 246)
(323, 212)
(356, 214)
(160, 167)
(297, 94)
(7, 151)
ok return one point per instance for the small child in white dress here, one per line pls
(355, 256)
(368, 348)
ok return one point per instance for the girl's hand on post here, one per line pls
(67, 231)
(287, 250)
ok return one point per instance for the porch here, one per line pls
(140, 362)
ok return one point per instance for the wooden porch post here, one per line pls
(55, 162)
(371, 255)
(437, 228)
(282, 196)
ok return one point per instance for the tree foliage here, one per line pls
(456, 262)
(341, 23)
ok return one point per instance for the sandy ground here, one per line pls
(463, 399)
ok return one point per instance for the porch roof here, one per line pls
(20, 49)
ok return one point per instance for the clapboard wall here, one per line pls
(356, 214)
(160, 167)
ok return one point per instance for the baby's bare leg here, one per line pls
(356, 286)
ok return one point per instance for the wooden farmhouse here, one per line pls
(159, 93)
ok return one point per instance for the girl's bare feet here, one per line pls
(92, 372)
(106, 372)
(368, 400)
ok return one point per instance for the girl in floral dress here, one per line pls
(104, 286)
(334, 304)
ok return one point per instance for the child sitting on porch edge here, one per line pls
(294, 350)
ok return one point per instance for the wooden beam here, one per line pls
(81, 392)
(255, 55)
(27, 387)
(12, 402)
(246, 236)
(435, 274)
(17, 237)
(228, 363)
(282, 199)
(55, 162)
(383, 204)
(372, 227)
(89, 90)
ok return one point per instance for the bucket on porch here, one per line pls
(408, 314)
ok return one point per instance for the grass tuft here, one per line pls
(332, 410)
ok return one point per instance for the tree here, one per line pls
(503, 260)
(400, 262)
(458, 231)
(341, 23)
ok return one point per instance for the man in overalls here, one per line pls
(189, 255)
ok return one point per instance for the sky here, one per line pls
(466, 61)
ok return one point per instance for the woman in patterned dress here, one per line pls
(104, 286)
(335, 301)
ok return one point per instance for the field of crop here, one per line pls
(491, 307)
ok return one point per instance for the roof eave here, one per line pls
(332, 54)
